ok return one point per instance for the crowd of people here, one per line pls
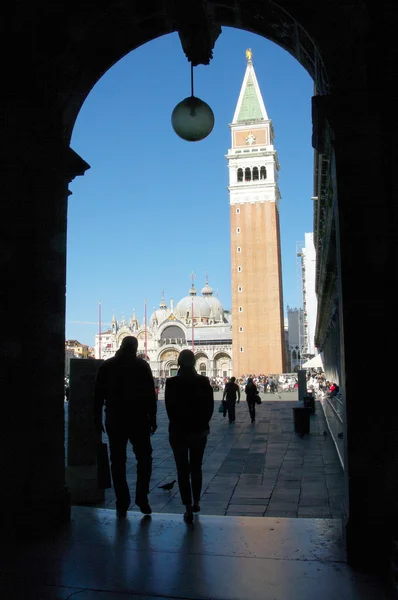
(320, 386)
(267, 384)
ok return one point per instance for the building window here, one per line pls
(248, 174)
(238, 230)
(240, 174)
(238, 211)
(263, 173)
(241, 349)
(239, 249)
(239, 288)
(240, 309)
(239, 269)
(240, 329)
(255, 173)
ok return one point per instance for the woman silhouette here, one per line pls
(189, 404)
(251, 392)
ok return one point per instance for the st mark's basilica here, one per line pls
(197, 322)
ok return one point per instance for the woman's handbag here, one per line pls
(103, 470)
(257, 399)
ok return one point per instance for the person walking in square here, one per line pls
(189, 404)
(251, 393)
(231, 392)
(271, 384)
(126, 386)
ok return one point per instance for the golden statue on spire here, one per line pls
(249, 55)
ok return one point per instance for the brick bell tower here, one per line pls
(257, 301)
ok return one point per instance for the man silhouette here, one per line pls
(125, 384)
(231, 391)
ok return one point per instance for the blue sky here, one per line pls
(153, 208)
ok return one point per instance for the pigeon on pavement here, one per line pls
(167, 486)
(325, 433)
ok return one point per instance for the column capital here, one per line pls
(75, 164)
(44, 158)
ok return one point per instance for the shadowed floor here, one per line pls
(259, 470)
(98, 557)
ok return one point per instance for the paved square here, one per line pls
(261, 469)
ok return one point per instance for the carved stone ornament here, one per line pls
(169, 355)
(197, 29)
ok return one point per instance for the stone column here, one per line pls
(32, 348)
(367, 241)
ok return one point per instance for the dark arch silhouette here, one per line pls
(349, 49)
(89, 57)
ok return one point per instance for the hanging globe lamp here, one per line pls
(192, 119)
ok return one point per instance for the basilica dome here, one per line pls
(207, 290)
(201, 308)
(216, 308)
(204, 307)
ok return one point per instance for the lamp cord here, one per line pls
(191, 79)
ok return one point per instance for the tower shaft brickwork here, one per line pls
(257, 299)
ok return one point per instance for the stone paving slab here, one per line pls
(263, 468)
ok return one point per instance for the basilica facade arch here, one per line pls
(202, 363)
(222, 364)
(168, 362)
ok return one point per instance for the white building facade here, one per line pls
(310, 303)
(295, 336)
(69, 353)
(198, 323)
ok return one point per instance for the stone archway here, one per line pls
(170, 368)
(168, 362)
(202, 363)
(202, 368)
(74, 51)
(173, 334)
(222, 365)
(269, 20)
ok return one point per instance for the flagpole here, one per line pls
(193, 292)
(99, 329)
(145, 334)
(193, 331)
